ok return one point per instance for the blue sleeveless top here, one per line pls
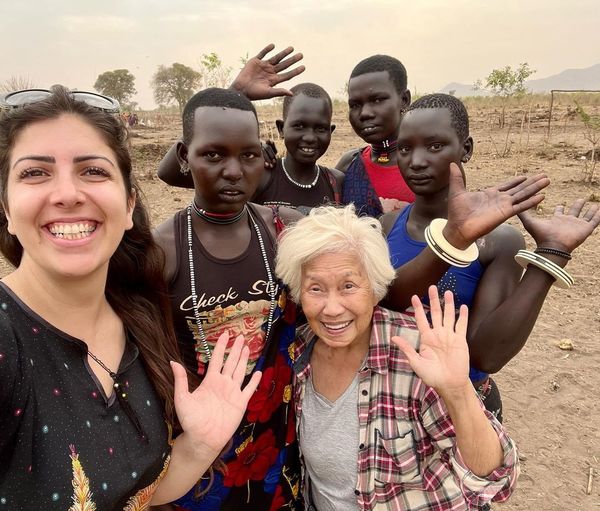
(461, 281)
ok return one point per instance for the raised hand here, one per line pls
(563, 231)
(258, 77)
(210, 414)
(471, 215)
(443, 358)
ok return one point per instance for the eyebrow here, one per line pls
(51, 159)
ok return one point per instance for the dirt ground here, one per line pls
(551, 404)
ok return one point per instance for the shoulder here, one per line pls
(388, 220)
(10, 359)
(166, 237)
(334, 176)
(503, 242)
(347, 158)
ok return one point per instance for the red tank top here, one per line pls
(387, 181)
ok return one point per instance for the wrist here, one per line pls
(454, 237)
(456, 395)
(195, 450)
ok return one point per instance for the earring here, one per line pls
(465, 159)
(184, 169)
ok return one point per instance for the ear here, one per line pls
(181, 151)
(130, 208)
(468, 145)
(405, 100)
(9, 226)
(332, 128)
(279, 124)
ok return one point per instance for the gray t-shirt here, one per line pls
(329, 438)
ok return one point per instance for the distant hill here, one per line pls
(587, 78)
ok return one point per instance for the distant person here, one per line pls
(503, 304)
(377, 97)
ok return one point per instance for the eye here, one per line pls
(322, 129)
(353, 106)
(96, 172)
(403, 149)
(436, 146)
(212, 156)
(250, 155)
(32, 173)
(298, 126)
(349, 286)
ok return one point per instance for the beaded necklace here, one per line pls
(301, 185)
(271, 287)
(383, 151)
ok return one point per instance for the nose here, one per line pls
(418, 159)
(333, 306)
(232, 170)
(366, 112)
(309, 135)
(67, 191)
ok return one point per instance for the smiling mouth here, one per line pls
(74, 231)
(369, 129)
(308, 150)
(336, 326)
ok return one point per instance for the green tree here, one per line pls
(506, 83)
(118, 84)
(175, 84)
(215, 73)
(591, 132)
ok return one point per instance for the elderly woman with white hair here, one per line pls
(381, 426)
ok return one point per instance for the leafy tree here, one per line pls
(15, 83)
(506, 83)
(118, 84)
(175, 84)
(215, 73)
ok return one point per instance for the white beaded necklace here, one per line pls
(271, 287)
(300, 185)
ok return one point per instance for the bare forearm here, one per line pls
(476, 439)
(169, 170)
(188, 463)
(497, 338)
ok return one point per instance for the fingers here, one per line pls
(528, 188)
(240, 370)
(261, 54)
(250, 388)
(216, 359)
(233, 357)
(406, 348)
(449, 311)
(282, 77)
(462, 322)
(503, 187)
(435, 307)
(180, 381)
(277, 58)
(576, 207)
(559, 210)
(456, 182)
(592, 215)
(420, 317)
(526, 204)
(281, 66)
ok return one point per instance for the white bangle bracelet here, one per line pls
(561, 277)
(440, 247)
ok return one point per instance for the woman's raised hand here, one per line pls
(472, 215)
(212, 412)
(443, 358)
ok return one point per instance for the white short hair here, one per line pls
(330, 230)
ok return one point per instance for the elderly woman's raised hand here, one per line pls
(443, 358)
(471, 215)
(211, 413)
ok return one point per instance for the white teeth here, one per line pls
(307, 150)
(337, 326)
(72, 231)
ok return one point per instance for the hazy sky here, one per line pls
(439, 41)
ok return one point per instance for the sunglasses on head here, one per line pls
(21, 98)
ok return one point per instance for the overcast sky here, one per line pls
(439, 41)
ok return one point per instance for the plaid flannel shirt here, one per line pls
(407, 458)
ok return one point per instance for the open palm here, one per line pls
(471, 215)
(443, 358)
(212, 412)
(564, 231)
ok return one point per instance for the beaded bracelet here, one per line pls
(440, 247)
(561, 277)
(554, 251)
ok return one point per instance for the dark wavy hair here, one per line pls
(135, 286)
